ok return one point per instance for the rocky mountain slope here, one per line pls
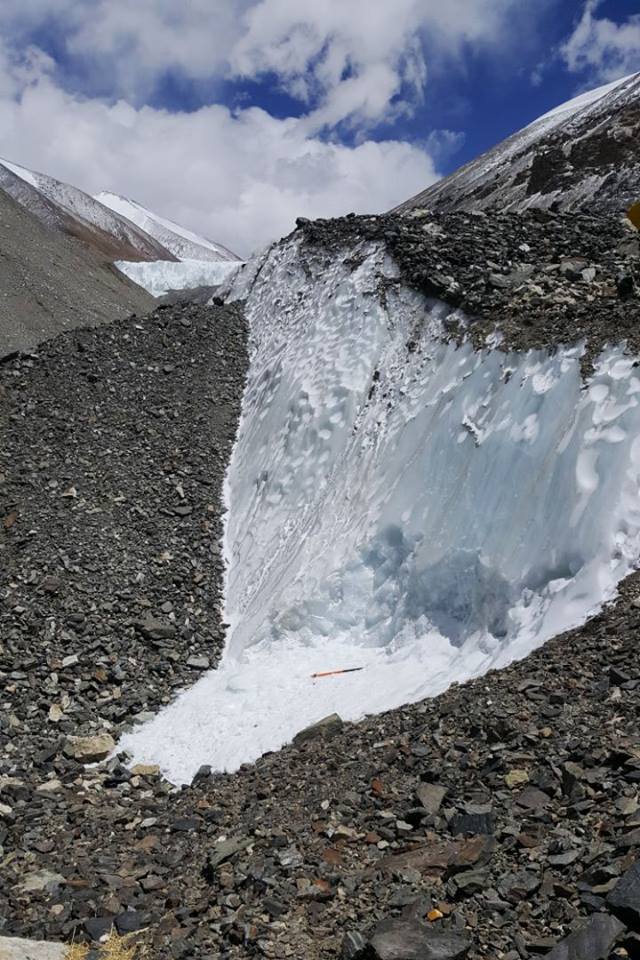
(581, 156)
(62, 207)
(50, 281)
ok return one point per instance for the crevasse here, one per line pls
(398, 503)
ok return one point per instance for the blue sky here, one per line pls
(234, 116)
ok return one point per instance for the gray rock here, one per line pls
(431, 796)
(14, 948)
(198, 662)
(44, 881)
(624, 899)
(573, 269)
(413, 940)
(154, 629)
(89, 749)
(226, 849)
(325, 728)
(591, 941)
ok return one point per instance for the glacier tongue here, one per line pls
(397, 503)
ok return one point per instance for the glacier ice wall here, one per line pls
(158, 277)
(398, 503)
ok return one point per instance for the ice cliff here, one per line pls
(398, 502)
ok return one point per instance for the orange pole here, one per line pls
(334, 673)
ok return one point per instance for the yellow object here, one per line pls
(434, 915)
(634, 215)
(116, 948)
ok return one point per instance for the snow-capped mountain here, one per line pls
(583, 155)
(183, 243)
(155, 253)
(63, 207)
(51, 282)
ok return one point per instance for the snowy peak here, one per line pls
(582, 155)
(66, 209)
(183, 243)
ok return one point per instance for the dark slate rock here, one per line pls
(624, 899)
(354, 947)
(98, 927)
(593, 940)
(129, 922)
(413, 940)
(472, 823)
(325, 728)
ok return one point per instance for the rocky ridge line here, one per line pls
(540, 279)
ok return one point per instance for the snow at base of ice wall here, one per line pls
(161, 276)
(397, 503)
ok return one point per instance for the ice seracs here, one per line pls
(162, 276)
(400, 503)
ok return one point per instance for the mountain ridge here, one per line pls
(63, 207)
(580, 156)
(51, 282)
(183, 243)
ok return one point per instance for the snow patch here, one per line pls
(410, 510)
(161, 276)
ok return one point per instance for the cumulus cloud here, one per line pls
(601, 49)
(361, 60)
(240, 176)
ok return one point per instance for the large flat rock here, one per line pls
(13, 948)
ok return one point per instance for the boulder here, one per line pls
(89, 749)
(323, 729)
(414, 940)
(592, 940)
(624, 899)
(14, 948)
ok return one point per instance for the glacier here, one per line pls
(158, 277)
(397, 502)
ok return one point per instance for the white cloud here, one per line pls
(348, 60)
(602, 49)
(240, 178)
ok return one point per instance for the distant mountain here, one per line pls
(583, 155)
(62, 207)
(50, 282)
(183, 243)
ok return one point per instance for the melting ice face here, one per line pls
(396, 503)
